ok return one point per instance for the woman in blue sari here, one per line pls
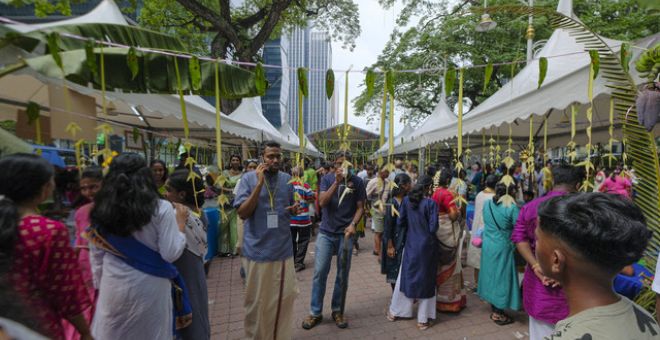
(394, 237)
(498, 278)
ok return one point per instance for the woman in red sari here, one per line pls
(450, 295)
(45, 270)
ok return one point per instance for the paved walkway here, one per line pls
(366, 303)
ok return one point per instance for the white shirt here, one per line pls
(656, 279)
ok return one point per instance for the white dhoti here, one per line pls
(402, 306)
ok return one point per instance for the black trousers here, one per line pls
(300, 237)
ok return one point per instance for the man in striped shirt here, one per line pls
(301, 224)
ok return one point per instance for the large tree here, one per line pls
(444, 33)
(240, 31)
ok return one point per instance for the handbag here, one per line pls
(476, 239)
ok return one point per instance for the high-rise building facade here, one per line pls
(302, 47)
(275, 102)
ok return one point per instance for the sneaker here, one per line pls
(339, 320)
(311, 321)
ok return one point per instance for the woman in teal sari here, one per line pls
(498, 279)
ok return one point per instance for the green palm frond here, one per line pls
(640, 144)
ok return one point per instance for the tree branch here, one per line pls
(264, 33)
(253, 19)
(225, 10)
(214, 19)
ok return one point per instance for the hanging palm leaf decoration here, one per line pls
(587, 185)
(450, 79)
(610, 156)
(260, 82)
(220, 179)
(195, 73)
(370, 80)
(90, 56)
(460, 200)
(132, 62)
(595, 62)
(640, 144)
(543, 70)
(53, 41)
(329, 83)
(487, 75)
(383, 109)
(572, 153)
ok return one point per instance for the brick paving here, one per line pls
(366, 303)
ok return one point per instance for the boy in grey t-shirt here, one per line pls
(583, 241)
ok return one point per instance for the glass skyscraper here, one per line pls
(302, 47)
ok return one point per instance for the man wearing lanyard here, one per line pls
(342, 200)
(265, 201)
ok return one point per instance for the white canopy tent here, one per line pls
(287, 132)
(106, 12)
(565, 84)
(417, 138)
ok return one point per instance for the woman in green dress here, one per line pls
(228, 227)
(498, 279)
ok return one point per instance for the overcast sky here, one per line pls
(377, 25)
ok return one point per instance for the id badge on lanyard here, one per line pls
(271, 219)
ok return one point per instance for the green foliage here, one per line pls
(239, 36)
(626, 54)
(446, 30)
(648, 64)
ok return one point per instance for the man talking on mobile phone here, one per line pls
(342, 200)
(265, 201)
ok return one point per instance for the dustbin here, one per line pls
(212, 232)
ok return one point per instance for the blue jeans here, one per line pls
(328, 245)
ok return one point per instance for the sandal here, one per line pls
(390, 317)
(501, 319)
(423, 325)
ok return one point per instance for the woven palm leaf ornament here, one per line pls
(572, 152)
(546, 154)
(507, 180)
(104, 128)
(483, 146)
(491, 154)
(498, 149)
(609, 155)
(639, 143)
(190, 161)
(587, 185)
(530, 150)
(344, 144)
(221, 179)
(460, 200)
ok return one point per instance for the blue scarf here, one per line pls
(142, 258)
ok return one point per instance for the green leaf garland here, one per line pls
(626, 54)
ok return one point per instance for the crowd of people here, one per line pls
(136, 264)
